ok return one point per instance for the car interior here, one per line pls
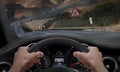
(57, 44)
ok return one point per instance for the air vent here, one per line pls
(110, 63)
(4, 66)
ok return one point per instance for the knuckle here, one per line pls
(93, 48)
(20, 48)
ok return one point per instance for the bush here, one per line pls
(109, 11)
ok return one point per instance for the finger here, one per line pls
(39, 54)
(82, 57)
(23, 49)
(92, 49)
(78, 54)
(36, 55)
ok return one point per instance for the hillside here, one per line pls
(108, 11)
(104, 13)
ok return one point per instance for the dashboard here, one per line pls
(61, 54)
(58, 55)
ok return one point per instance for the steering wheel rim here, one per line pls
(58, 40)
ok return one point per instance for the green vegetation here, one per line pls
(104, 13)
(107, 11)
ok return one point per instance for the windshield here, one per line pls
(35, 15)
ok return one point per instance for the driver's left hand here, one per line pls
(23, 60)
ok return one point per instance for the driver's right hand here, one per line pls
(92, 60)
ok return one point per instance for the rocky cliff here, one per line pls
(42, 3)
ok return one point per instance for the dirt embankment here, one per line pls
(113, 28)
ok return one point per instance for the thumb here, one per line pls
(78, 54)
(39, 54)
(36, 55)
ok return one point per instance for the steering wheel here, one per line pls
(58, 40)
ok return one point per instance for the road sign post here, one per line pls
(91, 20)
